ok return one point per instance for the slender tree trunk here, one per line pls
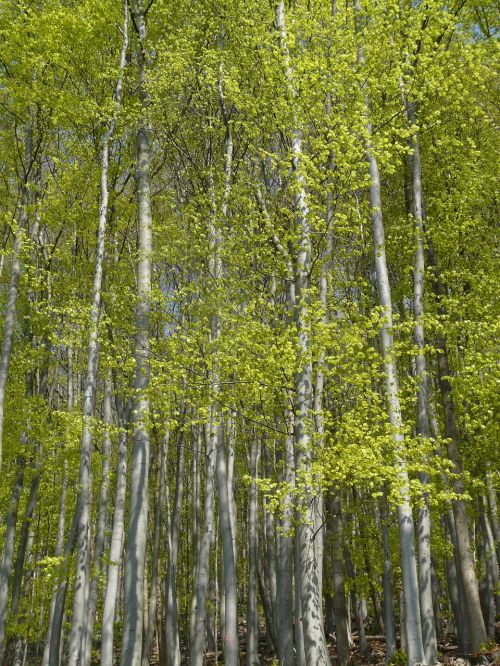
(300, 653)
(172, 611)
(252, 651)
(59, 546)
(197, 639)
(56, 627)
(270, 547)
(81, 598)
(8, 550)
(455, 580)
(155, 556)
(424, 522)
(465, 557)
(405, 517)
(100, 534)
(490, 579)
(196, 527)
(492, 501)
(15, 274)
(311, 612)
(284, 573)
(138, 520)
(116, 547)
(230, 638)
(389, 628)
(22, 549)
(339, 596)
(231, 457)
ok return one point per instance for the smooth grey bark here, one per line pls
(15, 274)
(116, 546)
(389, 628)
(231, 458)
(197, 635)
(311, 609)
(229, 610)
(358, 604)
(172, 641)
(133, 618)
(284, 572)
(463, 543)
(22, 548)
(338, 577)
(272, 640)
(270, 547)
(230, 638)
(492, 501)
(424, 523)
(300, 654)
(100, 533)
(489, 583)
(81, 610)
(196, 511)
(319, 519)
(56, 627)
(155, 556)
(19, 643)
(415, 648)
(405, 517)
(252, 648)
(456, 588)
(7, 559)
(58, 546)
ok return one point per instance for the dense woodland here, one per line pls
(249, 374)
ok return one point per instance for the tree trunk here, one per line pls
(116, 547)
(56, 628)
(155, 556)
(172, 612)
(100, 533)
(10, 308)
(197, 637)
(389, 628)
(424, 522)
(339, 596)
(138, 519)
(230, 638)
(81, 600)
(8, 549)
(252, 650)
(465, 557)
(58, 549)
(311, 609)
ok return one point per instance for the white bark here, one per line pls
(424, 523)
(198, 629)
(252, 650)
(138, 519)
(314, 640)
(230, 638)
(155, 556)
(284, 573)
(77, 648)
(172, 641)
(100, 534)
(116, 547)
(406, 527)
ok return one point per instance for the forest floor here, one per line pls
(449, 654)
